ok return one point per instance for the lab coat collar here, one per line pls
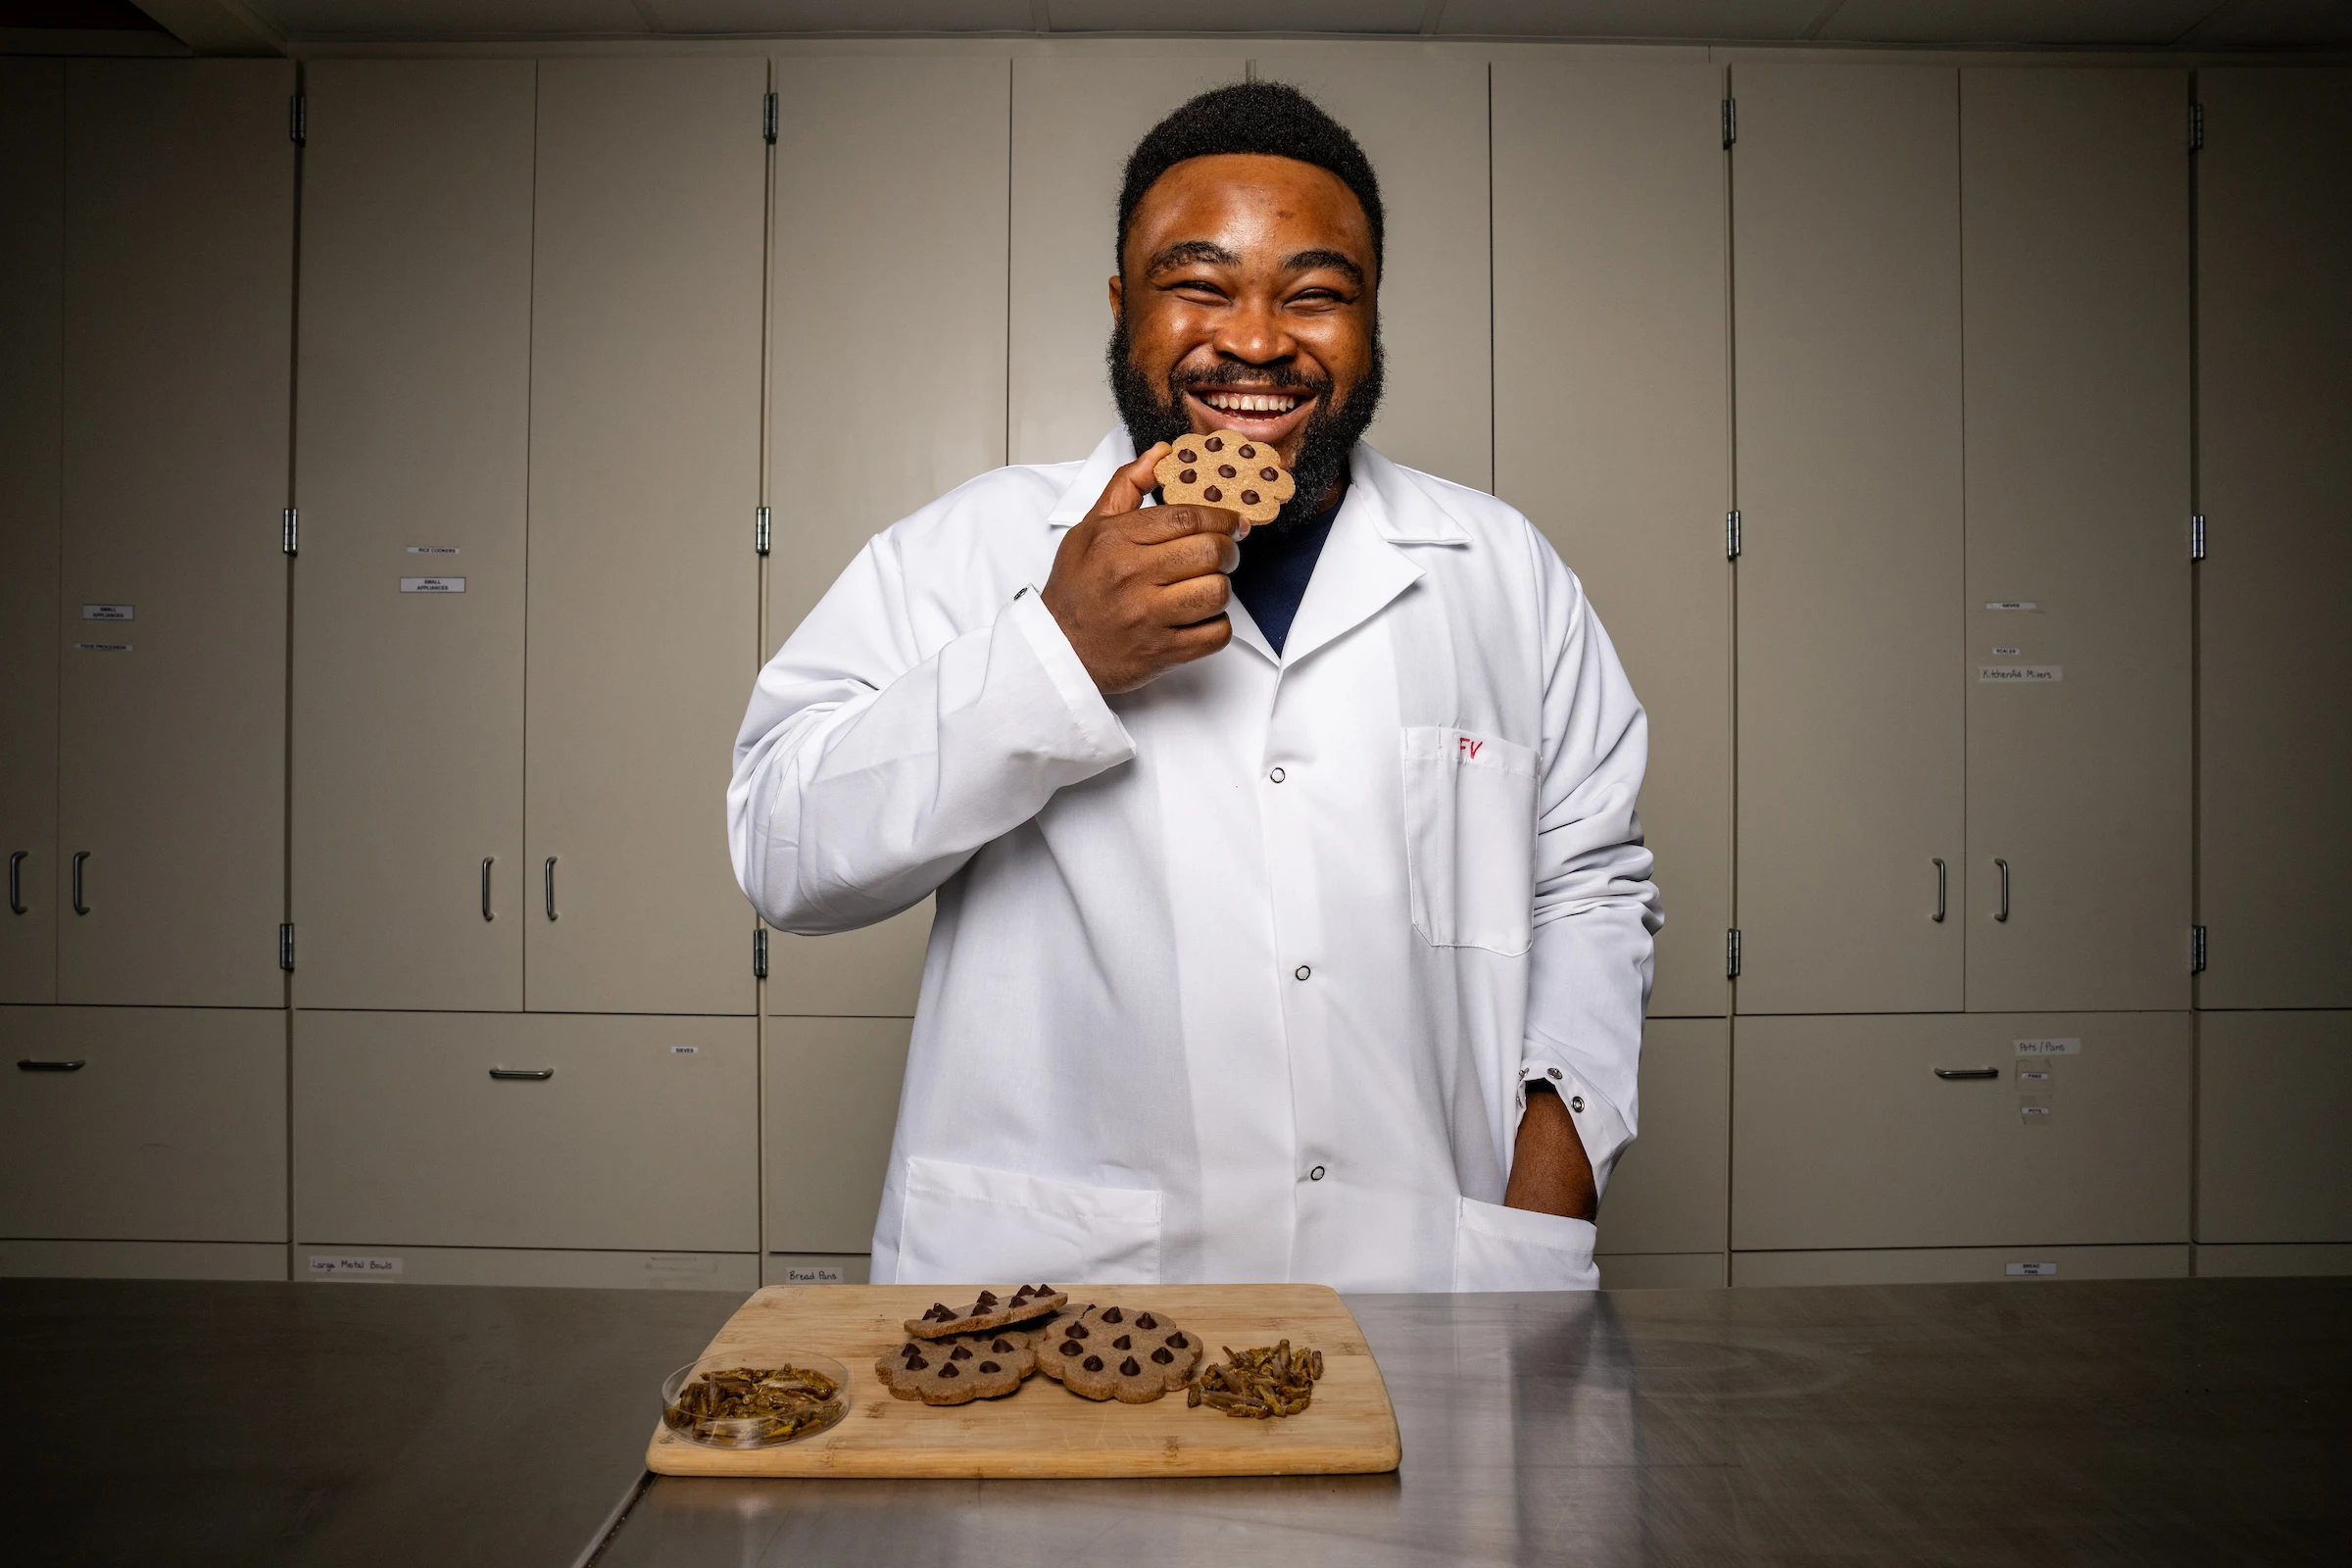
(1397, 508)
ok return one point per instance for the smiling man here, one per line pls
(1293, 921)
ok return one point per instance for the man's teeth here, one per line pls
(1251, 402)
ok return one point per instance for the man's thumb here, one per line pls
(1128, 487)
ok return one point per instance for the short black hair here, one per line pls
(1269, 118)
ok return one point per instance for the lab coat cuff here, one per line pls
(1599, 1125)
(1105, 739)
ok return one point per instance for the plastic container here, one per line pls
(764, 1414)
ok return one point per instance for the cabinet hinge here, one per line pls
(767, 119)
(298, 119)
(290, 535)
(2196, 949)
(1731, 535)
(2196, 127)
(2197, 537)
(286, 947)
(1731, 120)
(759, 955)
(760, 531)
(1731, 954)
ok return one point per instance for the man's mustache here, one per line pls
(1257, 378)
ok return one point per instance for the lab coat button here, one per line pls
(1575, 1103)
(1315, 1175)
(1302, 971)
(1555, 1071)
(1277, 775)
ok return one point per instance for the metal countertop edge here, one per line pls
(602, 1538)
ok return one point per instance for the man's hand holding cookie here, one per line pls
(1138, 590)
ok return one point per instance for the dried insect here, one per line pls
(767, 1403)
(1257, 1384)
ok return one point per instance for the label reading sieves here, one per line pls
(2012, 603)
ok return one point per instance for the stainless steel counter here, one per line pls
(2050, 1421)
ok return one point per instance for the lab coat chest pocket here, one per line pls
(1470, 838)
(1499, 1248)
(970, 1223)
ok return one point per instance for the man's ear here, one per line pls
(1118, 297)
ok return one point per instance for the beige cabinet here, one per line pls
(143, 1124)
(2274, 652)
(1075, 117)
(409, 884)
(643, 596)
(1920, 1132)
(178, 273)
(2274, 1099)
(1668, 1192)
(1611, 428)
(864, 317)
(2075, 284)
(831, 1087)
(1847, 405)
(436, 1129)
(33, 193)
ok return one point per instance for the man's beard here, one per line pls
(1331, 431)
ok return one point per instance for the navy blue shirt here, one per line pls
(1276, 563)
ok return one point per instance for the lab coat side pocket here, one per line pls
(970, 1224)
(1470, 839)
(1499, 1248)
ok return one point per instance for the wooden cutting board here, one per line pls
(1044, 1429)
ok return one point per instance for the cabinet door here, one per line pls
(1422, 119)
(1075, 119)
(415, 391)
(143, 1124)
(1610, 428)
(179, 252)
(1847, 299)
(2274, 651)
(831, 1087)
(2274, 1096)
(1847, 1133)
(33, 166)
(643, 474)
(867, 319)
(2075, 280)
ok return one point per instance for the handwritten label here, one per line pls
(432, 549)
(106, 613)
(2031, 1271)
(2011, 604)
(2050, 1048)
(104, 648)
(325, 1267)
(798, 1274)
(432, 585)
(2021, 674)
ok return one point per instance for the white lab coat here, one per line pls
(1237, 976)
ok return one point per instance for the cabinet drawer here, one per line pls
(642, 1135)
(174, 1127)
(1667, 1191)
(2273, 1098)
(1844, 1135)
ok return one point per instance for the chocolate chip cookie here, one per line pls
(958, 1371)
(1126, 1353)
(1225, 469)
(989, 1311)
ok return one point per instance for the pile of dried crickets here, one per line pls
(783, 1400)
(1270, 1381)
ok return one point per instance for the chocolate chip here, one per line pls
(1178, 1341)
(1071, 1347)
(1164, 1355)
(915, 1363)
(1130, 1368)
(949, 1371)
(1248, 498)
(1093, 1363)
(1215, 442)
(990, 1366)
(1212, 493)
(1000, 1345)
(961, 1352)
(1226, 470)
(939, 1312)
(1044, 1289)
(988, 1298)
(1189, 477)
(1122, 1342)
(1268, 475)
(1145, 1320)
(1186, 455)
(1245, 452)
(1077, 1331)
(1111, 1314)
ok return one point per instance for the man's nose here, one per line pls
(1253, 334)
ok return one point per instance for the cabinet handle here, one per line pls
(1950, 1073)
(16, 882)
(542, 1074)
(1939, 890)
(548, 876)
(487, 912)
(2002, 914)
(79, 856)
(35, 1064)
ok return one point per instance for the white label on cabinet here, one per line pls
(2011, 604)
(681, 1271)
(353, 1268)
(798, 1274)
(2050, 1048)
(104, 648)
(2033, 1271)
(106, 613)
(432, 549)
(2034, 1115)
(2029, 675)
(684, 1050)
(432, 585)
(2005, 652)
(2034, 1077)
